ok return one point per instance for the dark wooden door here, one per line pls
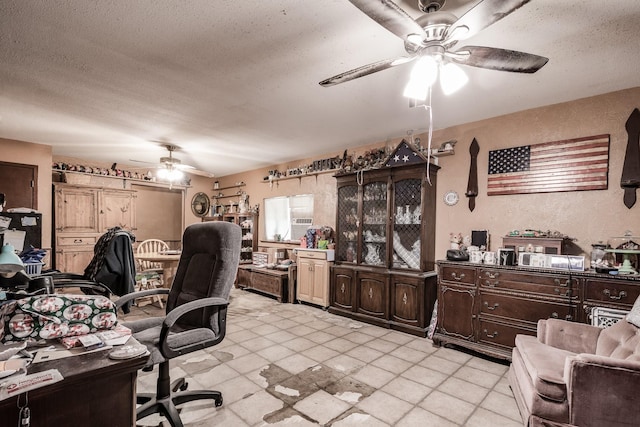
(18, 183)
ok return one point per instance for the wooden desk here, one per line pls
(169, 264)
(96, 391)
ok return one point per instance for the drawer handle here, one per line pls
(342, 288)
(559, 283)
(404, 298)
(621, 294)
(77, 240)
(370, 293)
(490, 284)
(491, 275)
(456, 277)
(493, 307)
(554, 315)
(493, 335)
(566, 293)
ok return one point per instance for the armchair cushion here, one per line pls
(634, 315)
(545, 366)
(622, 341)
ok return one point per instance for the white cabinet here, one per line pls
(314, 266)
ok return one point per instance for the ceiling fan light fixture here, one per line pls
(452, 78)
(170, 174)
(423, 75)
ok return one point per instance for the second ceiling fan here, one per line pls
(433, 36)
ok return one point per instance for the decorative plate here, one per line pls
(451, 198)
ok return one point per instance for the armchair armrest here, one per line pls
(602, 390)
(571, 336)
(194, 339)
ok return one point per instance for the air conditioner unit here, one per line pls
(302, 221)
(299, 227)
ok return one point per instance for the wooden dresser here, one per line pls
(483, 307)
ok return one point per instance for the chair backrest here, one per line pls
(207, 268)
(151, 246)
(620, 341)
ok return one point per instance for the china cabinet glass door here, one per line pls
(347, 248)
(374, 223)
(407, 219)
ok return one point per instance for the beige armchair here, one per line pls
(573, 374)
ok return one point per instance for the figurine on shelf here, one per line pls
(456, 240)
(243, 203)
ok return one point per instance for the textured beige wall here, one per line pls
(586, 216)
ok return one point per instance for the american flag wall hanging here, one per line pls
(569, 165)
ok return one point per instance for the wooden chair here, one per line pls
(149, 274)
(151, 246)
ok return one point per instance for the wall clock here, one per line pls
(451, 198)
(200, 204)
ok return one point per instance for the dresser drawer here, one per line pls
(301, 253)
(613, 292)
(455, 274)
(523, 309)
(501, 334)
(552, 285)
(77, 240)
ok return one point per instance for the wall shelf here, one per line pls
(229, 187)
(85, 178)
(284, 178)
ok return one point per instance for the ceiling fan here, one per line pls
(433, 36)
(171, 168)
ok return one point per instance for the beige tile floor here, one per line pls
(298, 365)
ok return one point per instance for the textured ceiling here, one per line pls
(235, 83)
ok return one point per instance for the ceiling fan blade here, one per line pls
(480, 17)
(365, 70)
(498, 59)
(390, 16)
(142, 161)
(199, 172)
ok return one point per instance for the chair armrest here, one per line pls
(602, 390)
(84, 285)
(571, 336)
(174, 315)
(135, 295)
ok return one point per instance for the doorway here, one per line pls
(18, 183)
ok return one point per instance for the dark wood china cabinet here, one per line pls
(385, 226)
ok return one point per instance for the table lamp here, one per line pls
(9, 261)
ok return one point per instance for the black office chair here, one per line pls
(196, 313)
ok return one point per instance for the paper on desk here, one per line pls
(15, 386)
(59, 352)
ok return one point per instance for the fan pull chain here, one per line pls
(427, 107)
(24, 416)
